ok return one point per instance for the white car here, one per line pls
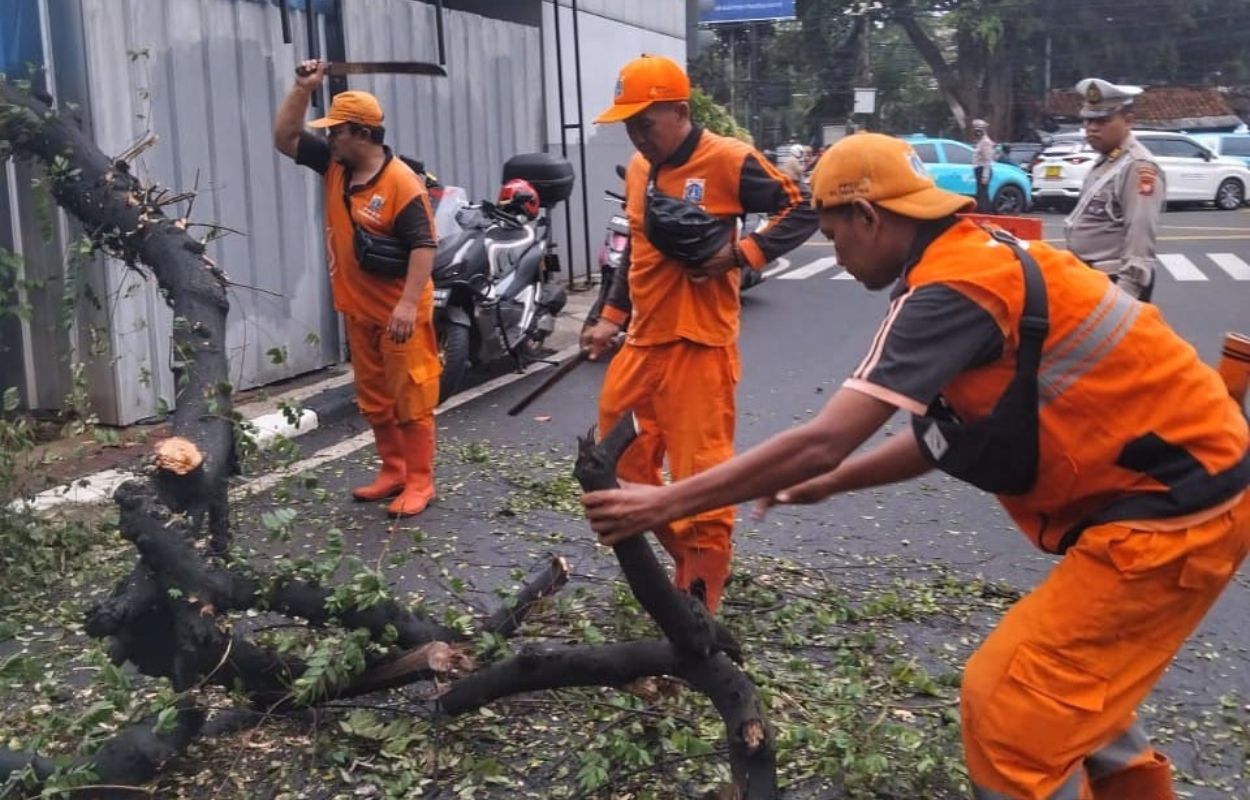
(1060, 170)
(1193, 173)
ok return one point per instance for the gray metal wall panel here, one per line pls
(207, 76)
(607, 43)
(667, 17)
(213, 75)
(465, 125)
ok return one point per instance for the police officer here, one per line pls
(1113, 225)
(982, 163)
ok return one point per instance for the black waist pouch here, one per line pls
(999, 453)
(384, 256)
(680, 229)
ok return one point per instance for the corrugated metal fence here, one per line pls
(206, 76)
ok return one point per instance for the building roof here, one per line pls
(1160, 106)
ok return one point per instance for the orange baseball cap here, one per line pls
(361, 108)
(643, 81)
(883, 170)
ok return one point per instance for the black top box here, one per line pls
(550, 175)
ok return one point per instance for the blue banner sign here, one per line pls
(748, 11)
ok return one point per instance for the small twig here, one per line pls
(131, 153)
(238, 285)
(195, 192)
(217, 227)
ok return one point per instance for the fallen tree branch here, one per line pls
(683, 618)
(560, 667)
(509, 616)
(111, 203)
(130, 758)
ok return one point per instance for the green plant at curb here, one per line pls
(716, 118)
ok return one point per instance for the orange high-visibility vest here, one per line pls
(374, 206)
(1133, 426)
(667, 305)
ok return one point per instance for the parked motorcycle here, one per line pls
(614, 252)
(492, 296)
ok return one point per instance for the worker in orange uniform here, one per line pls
(381, 243)
(1007, 355)
(678, 368)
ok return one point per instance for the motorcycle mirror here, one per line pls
(620, 172)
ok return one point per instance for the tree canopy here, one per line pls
(937, 64)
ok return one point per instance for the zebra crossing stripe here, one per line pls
(815, 268)
(1234, 266)
(1181, 267)
(783, 264)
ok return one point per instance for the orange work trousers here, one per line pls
(1049, 700)
(682, 394)
(394, 382)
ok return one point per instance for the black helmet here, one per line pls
(683, 231)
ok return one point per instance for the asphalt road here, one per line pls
(804, 330)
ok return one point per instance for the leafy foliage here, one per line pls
(716, 118)
(990, 56)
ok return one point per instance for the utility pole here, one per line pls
(1046, 71)
(751, 104)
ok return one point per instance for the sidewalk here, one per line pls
(88, 471)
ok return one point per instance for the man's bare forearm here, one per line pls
(897, 459)
(420, 268)
(289, 121)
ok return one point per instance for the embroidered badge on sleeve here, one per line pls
(1147, 179)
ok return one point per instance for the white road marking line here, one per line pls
(346, 447)
(1181, 267)
(815, 268)
(1233, 265)
(844, 276)
(783, 264)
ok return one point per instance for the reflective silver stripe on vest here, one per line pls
(1087, 344)
(1070, 790)
(1119, 754)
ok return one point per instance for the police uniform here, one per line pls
(983, 165)
(1113, 226)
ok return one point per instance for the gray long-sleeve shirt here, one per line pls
(1113, 227)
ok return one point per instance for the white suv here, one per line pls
(1193, 173)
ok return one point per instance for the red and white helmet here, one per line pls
(517, 196)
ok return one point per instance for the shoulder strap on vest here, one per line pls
(1035, 319)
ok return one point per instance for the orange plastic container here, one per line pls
(1019, 227)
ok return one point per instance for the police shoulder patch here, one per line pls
(1147, 179)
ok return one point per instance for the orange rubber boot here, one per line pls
(390, 480)
(418, 439)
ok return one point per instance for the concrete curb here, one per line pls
(319, 405)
